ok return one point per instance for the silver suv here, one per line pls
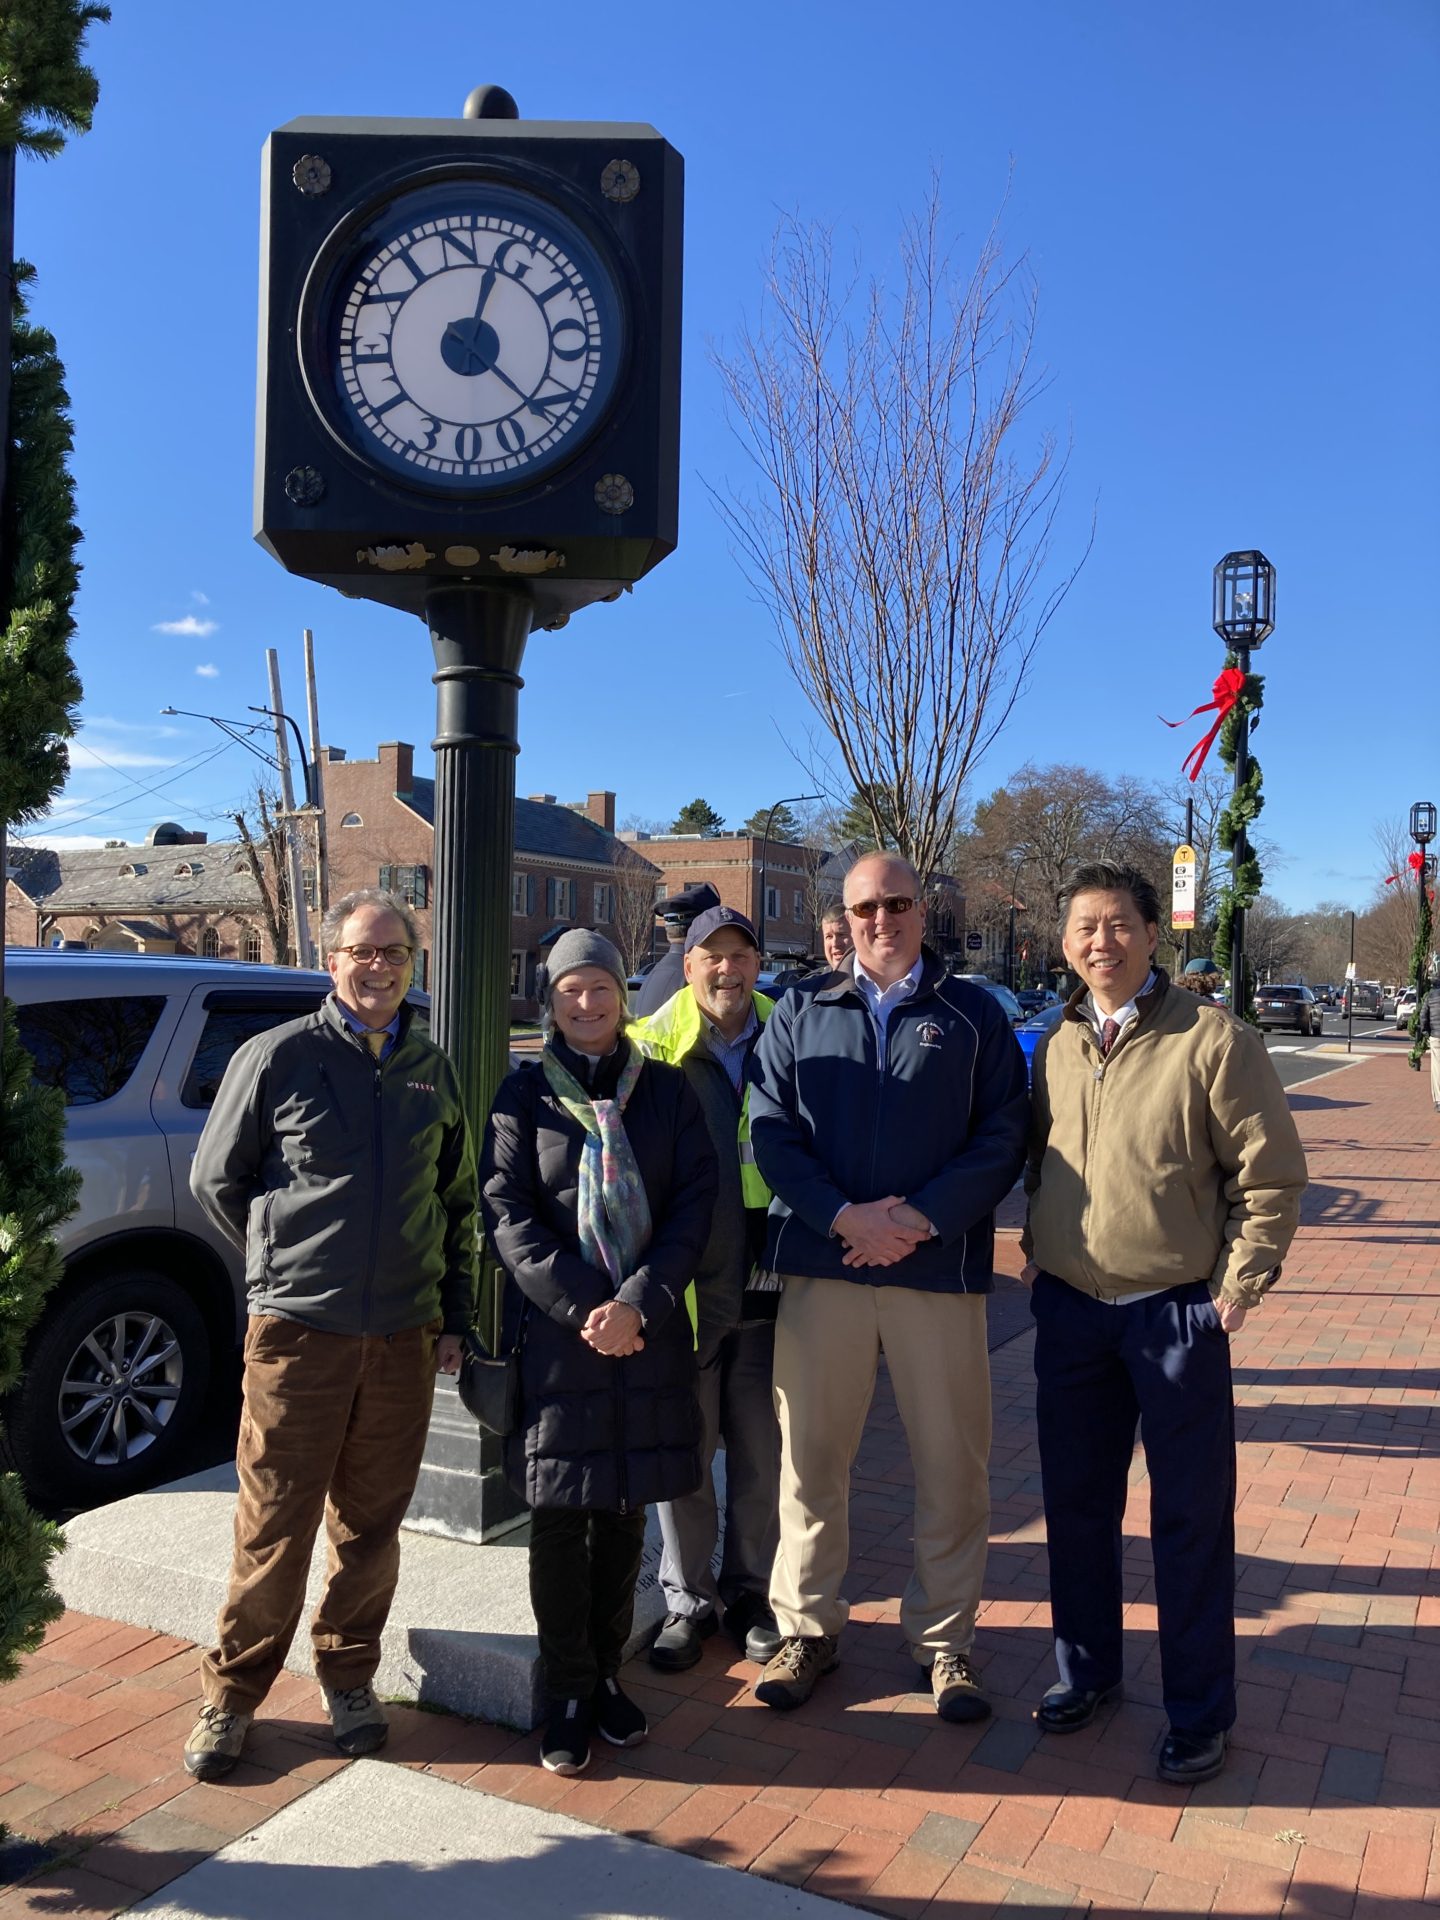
(117, 1371)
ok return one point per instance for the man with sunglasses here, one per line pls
(888, 1112)
(337, 1157)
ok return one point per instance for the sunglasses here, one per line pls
(363, 955)
(893, 903)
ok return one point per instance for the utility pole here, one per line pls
(299, 914)
(317, 790)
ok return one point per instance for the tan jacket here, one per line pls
(1176, 1159)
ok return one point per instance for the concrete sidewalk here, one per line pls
(1328, 1806)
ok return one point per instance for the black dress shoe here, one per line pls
(751, 1625)
(677, 1644)
(1188, 1758)
(1067, 1709)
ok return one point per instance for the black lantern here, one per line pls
(1422, 822)
(1244, 599)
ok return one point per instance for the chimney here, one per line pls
(541, 799)
(333, 755)
(601, 809)
(397, 757)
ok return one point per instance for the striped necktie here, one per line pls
(1108, 1035)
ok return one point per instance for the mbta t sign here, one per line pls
(1182, 889)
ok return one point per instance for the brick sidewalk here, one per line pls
(1328, 1807)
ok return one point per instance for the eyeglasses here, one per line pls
(893, 903)
(363, 955)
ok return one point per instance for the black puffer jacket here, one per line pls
(595, 1431)
(1429, 1022)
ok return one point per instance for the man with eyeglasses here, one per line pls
(888, 1112)
(337, 1157)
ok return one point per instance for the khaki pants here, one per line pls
(828, 1341)
(333, 1424)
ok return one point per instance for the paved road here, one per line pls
(1299, 1057)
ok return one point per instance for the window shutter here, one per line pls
(529, 893)
(387, 879)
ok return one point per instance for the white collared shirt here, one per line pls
(882, 1001)
(1123, 1016)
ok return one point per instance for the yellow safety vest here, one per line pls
(669, 1034)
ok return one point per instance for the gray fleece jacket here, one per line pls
(349, 1184)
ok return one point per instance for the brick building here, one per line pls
(569, 867)
(801, 884)
(176, 892)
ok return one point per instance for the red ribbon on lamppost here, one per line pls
(1416, 864)
(1226, 691)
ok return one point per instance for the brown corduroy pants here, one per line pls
(334, 1425)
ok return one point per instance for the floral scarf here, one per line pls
(614, 1210)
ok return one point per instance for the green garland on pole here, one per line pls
(1420, 970)
(1242, 809)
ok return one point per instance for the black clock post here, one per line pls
(469, 410)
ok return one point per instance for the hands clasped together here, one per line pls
(880, 1233)
(614, 1329)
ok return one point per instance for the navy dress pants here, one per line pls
(1164, 1362)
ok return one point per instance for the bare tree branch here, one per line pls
(897, 538)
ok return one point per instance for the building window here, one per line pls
(522, 893)
(799, 905)
(210, 944)
(560, 898)
(250, 945)
(517, 975)
(308, 886)
(662, 890)
(422, 969)
(604, 905)
(772, 903)
(410, 884)
(352, 820)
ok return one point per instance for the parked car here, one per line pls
(1032, 1031)
(1034, 999)
(1014, 1013)
(1365, 998)
(1288, 1006)
(1404, 1008)
(118, 1367)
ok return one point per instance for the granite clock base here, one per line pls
(461, 1632)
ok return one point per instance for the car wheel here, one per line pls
(113, 1387)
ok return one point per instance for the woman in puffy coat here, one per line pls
(597, 1184)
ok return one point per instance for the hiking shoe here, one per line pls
(751, 1625)
(956, 1690)
(677, 1644)
(565, 1747)
(357, 1718)
(215, 1742)
(789, 1679)
(616, 1716)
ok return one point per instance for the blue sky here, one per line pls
(1230, 211)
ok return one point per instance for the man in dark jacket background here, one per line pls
(337, 1157)
(888, 1110)
(678, 913)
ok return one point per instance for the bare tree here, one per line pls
(634, 906)
(265, 856)
(897, 538)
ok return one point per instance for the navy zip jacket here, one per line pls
(943, 1124)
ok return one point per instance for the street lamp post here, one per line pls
(793, 800)
(1422, 832)
(1244, 616)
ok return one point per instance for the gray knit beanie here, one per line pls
(581, 948)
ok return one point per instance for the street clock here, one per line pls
(470, 356)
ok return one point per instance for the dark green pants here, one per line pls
(583, 1567)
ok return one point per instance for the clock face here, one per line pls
(476, 339)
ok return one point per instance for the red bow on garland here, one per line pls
(1415, 861)
(1226, 690)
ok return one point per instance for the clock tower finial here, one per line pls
(490, 103)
